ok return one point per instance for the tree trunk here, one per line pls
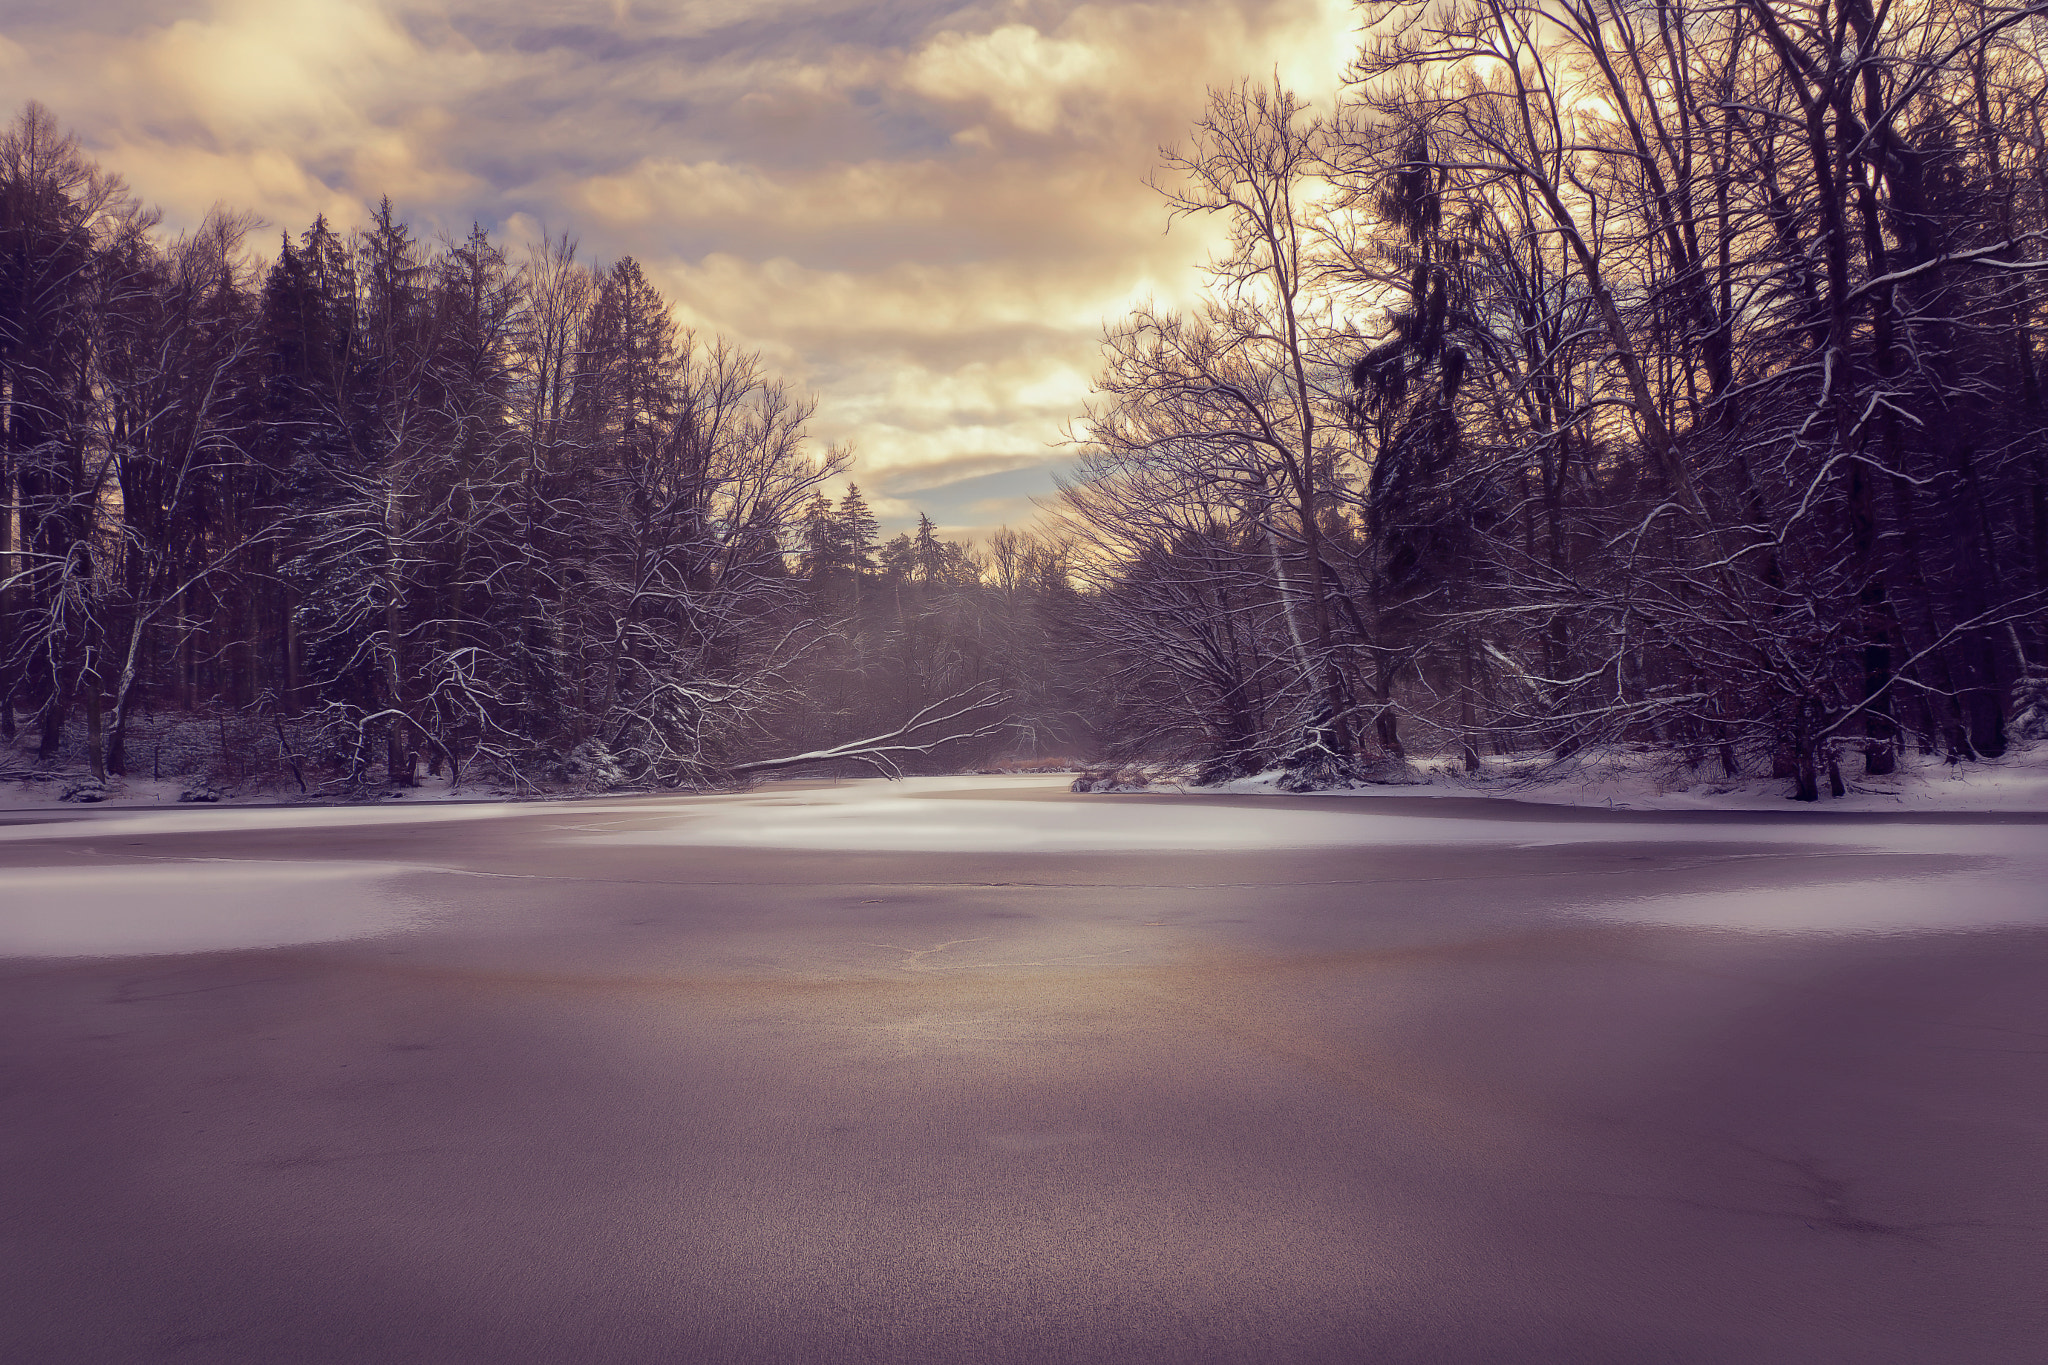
(1805, 778)
(95, 736)
(1386, 723)
(1466, 720)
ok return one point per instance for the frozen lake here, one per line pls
(974, 1069)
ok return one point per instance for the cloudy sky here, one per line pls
(923, 211)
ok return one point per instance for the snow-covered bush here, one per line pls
(2030, 706)
(592, 766)
(1129, 778)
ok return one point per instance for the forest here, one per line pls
(372, 506)
(1592, 373)
(1598, 373)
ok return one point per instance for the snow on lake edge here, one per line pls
(163, 907)
(184, 905)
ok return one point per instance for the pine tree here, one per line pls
(928, 553)
(827, 557)
(862, 531)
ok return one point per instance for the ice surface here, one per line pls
(184, 907)
(1974, 899)
(2006, 884)
(968, 814)
(919, 815)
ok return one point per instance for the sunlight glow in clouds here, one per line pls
(921, 210)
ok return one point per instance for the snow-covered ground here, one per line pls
(1608, 779)
(113, 822)
(47, 792)
(1659, 780)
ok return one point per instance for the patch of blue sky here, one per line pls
(975, 504)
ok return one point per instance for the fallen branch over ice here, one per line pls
(975, 713)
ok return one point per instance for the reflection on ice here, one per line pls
(185, 907)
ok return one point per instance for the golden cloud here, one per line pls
(924, 216)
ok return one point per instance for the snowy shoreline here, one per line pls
(1602, 780)
(1658, 781)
